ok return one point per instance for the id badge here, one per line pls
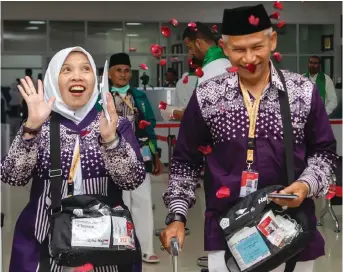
(146, 154)
(249, 183)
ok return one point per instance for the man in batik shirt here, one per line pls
(217, 116)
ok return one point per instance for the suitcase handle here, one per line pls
(174, 246)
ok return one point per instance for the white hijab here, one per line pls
(51, 86)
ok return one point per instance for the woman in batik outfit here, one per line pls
(108, 157)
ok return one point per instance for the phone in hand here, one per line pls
(285, 196)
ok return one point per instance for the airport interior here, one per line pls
(32, 32)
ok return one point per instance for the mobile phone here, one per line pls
(287, 196)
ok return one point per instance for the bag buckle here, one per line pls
(55, 173)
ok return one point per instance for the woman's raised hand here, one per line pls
(38, 109)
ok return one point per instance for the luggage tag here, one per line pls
(146, 153)
(249, 182)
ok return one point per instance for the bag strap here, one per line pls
(55, 172)
(287, 129)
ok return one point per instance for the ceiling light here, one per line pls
(117, 29)
(37, 22)
(133, 23)
(132, 35)
(32, 27)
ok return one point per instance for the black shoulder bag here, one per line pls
(249, 214)
(87, 228)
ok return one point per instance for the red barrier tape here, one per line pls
(332, 122)
(165, 139)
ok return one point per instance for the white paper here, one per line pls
(248, 248)
(91, 232)
(104, 89)
(121, 235)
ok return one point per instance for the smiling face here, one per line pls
(251, 49)
(76, 80)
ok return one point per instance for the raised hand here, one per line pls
(108, 128)
(38, 109)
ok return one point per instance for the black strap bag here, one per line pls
(87, 228)
(260, 234)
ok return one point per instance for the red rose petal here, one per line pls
(253, 20)
(277, 56)
(185, 80)
(332, 192)
(163, 105)
(132, 49)
(174, 22)
(199, 72)
(215, 28)
(278, 5)
(251, 67)
(205, 149)
(275, 15)
(232, 69)
(189, 61)
(223, 192)
(143, 124)
(143, 66)
(165, 30)
(280, 24)
(156, 50)
(163, 62)
(192, 25)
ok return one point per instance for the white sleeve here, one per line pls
(330, 96)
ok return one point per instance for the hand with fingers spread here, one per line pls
(38, 109)
(108, 129)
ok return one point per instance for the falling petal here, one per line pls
(143, 66)
(275, 15)
(165, 30)
(189, 61)
(143, 124)
(156, 50)
(173, 59)
(253, 20)
(205, 149)
(174, 22)
(232, 69)
(163, 105)
(163, 62)
(277, 56)
(278, 5)
(132, 49)
(223, 192)
(251, 67)
(280, 24)
(214, 28)
(185, 80)
(199, 72)
(192, 25)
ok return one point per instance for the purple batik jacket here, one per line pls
(216, 116)
(105, 171)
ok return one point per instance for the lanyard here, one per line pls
(72, 174)
(252, 109)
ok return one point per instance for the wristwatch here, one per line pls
(172, 217)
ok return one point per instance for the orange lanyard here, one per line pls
(72, 173)
(252, 109)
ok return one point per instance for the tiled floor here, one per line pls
(17, 197)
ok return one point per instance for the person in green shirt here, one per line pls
(202, 45)
(134, 105)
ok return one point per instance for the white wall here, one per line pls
(306, 12)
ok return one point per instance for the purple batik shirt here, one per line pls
(216, 116)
